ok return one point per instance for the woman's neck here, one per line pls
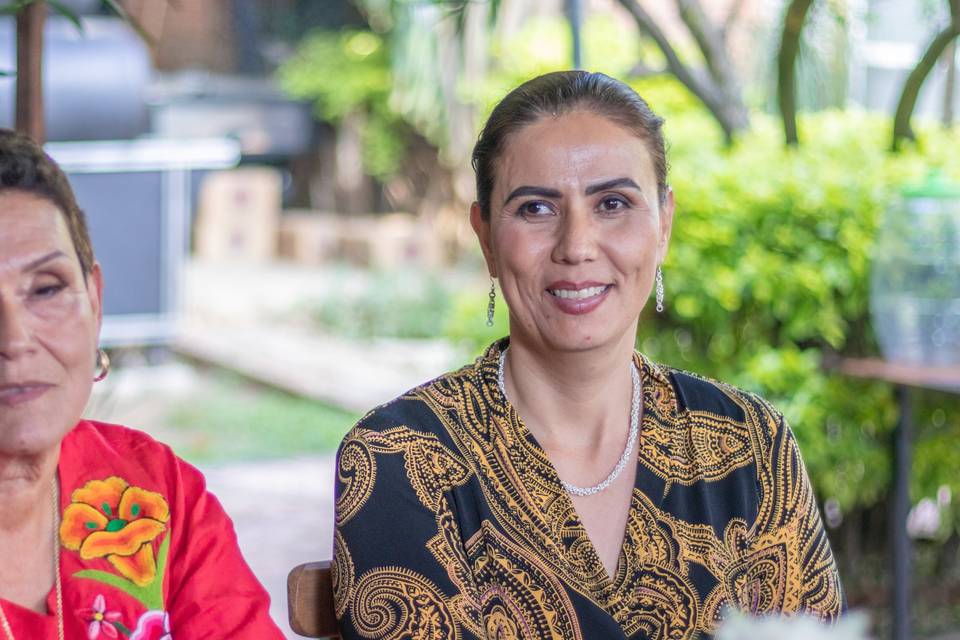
(28, 529)
(579, 398)
(25, 484)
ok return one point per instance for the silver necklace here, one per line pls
(56, 568)
(631, 437)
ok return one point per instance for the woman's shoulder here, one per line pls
(99, 450)
(412, 408)
(424, 409)
(716, 426)
(108, 439)
(688, 393)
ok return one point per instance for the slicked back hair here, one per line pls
(553, 95)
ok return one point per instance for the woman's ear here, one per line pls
(481, 227)
(95, 292)
(666, 225)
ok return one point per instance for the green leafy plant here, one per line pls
(391, 305)
(230, 419)
(466, 324)
(347, 74)
(769, 270)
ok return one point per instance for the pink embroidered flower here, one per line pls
(153, 625)
(99, 620)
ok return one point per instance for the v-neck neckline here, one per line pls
(657, 394)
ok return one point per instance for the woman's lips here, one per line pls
(12, 395)
(577, 298)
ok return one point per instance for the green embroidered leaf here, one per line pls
(157, 585)
(140, 593)
(162, 555)
(122, 628)
(90, 525)
(107, 510)
(135, 509)
(153, 592)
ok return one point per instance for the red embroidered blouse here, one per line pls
(146, 552)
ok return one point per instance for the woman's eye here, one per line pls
(48, 290)
(613, 203)
(535, 209)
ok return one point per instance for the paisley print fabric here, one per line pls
(452, 523)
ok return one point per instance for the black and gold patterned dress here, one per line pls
(452, 523)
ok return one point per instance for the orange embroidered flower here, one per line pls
(110, 519)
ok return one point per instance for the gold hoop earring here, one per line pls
(103, 365)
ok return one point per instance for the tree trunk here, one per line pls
(733, 14)
(575, 18)
(354, 191)
(466, 52)
(911, 88)
(723, 74)
(715, 86)
(950, 86)
(787, 67)
(853, 542)
(29, 109)
(709, 39)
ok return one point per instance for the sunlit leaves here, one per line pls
(769, 268)
(348, 74)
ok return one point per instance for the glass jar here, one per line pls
(915, 279)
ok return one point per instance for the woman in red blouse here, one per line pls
(104, 532)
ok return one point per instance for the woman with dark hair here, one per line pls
(564, 485)
(104, 532)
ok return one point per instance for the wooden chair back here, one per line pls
(310, 600)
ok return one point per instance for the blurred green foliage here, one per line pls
(466, 323)
(397, 304)
(351, 73)
(233, 419)
(543, 44)
(769, 270)
(347, 75)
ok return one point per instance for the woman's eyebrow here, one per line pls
(526, 190)
(30, 266)
(612, 184)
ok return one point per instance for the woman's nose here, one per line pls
(576, 241)
(14, 329)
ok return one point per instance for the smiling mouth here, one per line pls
(578, 294)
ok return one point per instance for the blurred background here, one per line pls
(278, 192)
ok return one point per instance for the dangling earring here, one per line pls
(659, 289)
(492, 305)
(103, 365)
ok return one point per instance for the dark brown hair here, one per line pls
(558, 93)
(25, 167)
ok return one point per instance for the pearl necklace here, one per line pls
(631, 436)
(56, 567)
